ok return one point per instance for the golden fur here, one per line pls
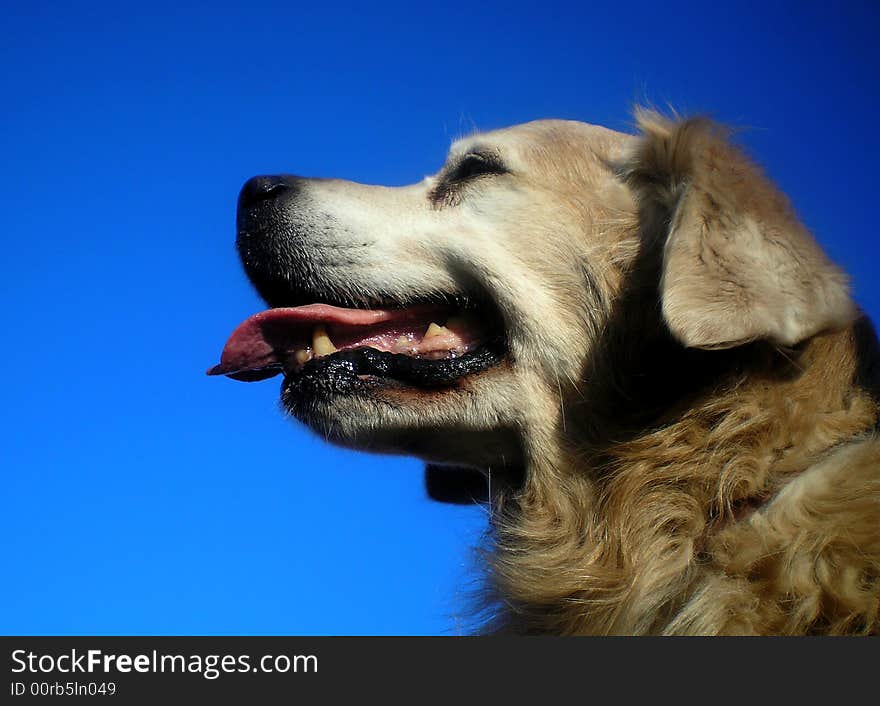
(683, 435)
(658, 534)
(750, 506)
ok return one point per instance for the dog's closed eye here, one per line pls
(475, 164)
(467, 168)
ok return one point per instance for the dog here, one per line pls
(662, 371)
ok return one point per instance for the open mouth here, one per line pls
(424, 345)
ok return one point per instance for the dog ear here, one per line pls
(737, 264)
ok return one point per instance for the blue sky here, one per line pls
(141, 496)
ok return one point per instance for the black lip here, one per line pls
(345, 371)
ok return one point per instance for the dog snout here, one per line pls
(267, 188)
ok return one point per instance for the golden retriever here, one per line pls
(663, 373)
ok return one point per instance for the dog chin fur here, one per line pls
(689, 400)
(443, 426)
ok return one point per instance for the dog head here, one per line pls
(456, 318)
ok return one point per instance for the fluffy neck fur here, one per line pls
(664, 522)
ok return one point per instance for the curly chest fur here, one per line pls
(754, 512)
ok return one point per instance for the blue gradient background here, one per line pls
(140, 496)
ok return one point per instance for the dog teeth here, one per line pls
(403, 344)
(321, 343)
(435, 330)
(302, 356)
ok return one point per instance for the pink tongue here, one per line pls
(253, 350)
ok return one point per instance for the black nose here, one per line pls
(265, 188)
